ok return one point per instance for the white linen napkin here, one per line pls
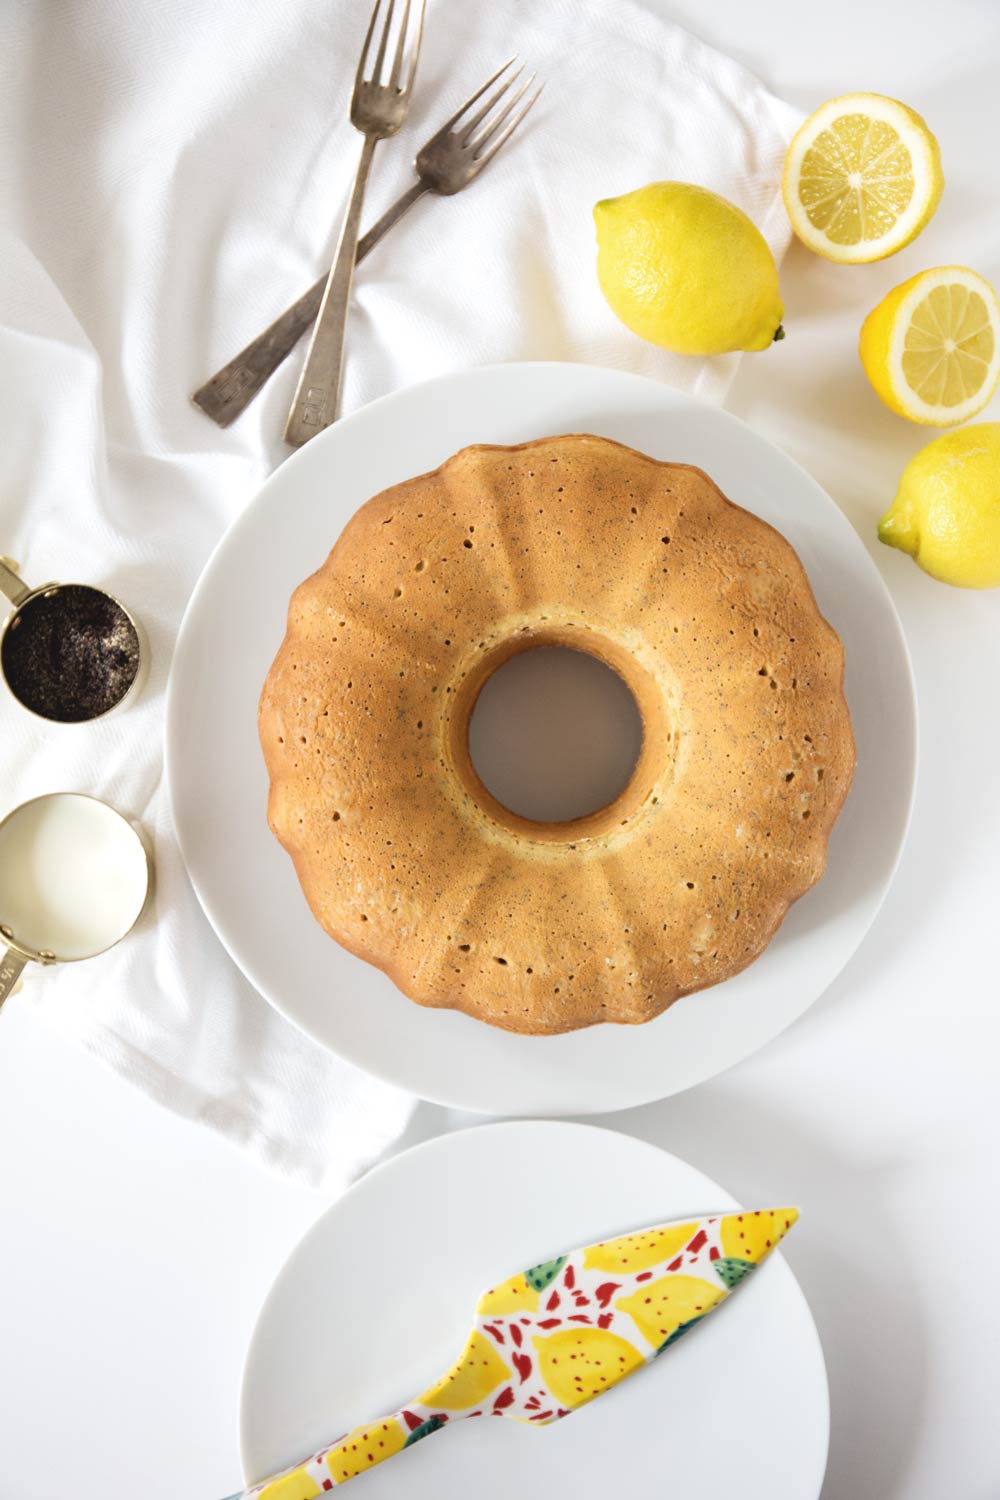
(172, 177)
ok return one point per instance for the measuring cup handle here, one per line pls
(14, 586)
(11, 964)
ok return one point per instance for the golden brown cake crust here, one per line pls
(704, 609)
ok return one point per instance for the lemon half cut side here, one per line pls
(931, 348)
(862, 178)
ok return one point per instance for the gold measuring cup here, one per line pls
(74, 876)
(55, 684)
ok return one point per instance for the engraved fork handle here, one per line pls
(230, 390)
(317, 395)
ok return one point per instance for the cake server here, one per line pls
(552, 1337)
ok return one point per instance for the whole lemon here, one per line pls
(946, 513)
(687, 270)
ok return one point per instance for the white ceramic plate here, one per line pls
(234, 625)
(378, 1297)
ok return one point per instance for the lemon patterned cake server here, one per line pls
(551, 1338)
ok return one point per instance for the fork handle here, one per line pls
(317, 396)
(361, 1449)
(230, 390)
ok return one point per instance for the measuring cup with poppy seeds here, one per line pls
(69, 653)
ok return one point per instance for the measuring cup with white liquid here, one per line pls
(74, 876)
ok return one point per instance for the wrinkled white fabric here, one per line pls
(170, 178)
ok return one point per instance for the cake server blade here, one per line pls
(551, 1338)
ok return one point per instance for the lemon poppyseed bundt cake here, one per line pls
(747, 753)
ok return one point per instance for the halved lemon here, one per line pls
(931, 348)
(862, 177)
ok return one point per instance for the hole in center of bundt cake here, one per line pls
(555, 734)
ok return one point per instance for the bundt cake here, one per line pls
(747, 754)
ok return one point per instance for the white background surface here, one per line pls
(135, 1249)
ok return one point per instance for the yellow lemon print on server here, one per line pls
(365, 1447)
(659, 1308)
(578, 1364)
(295, 1486)
(751, 1236)
(637, 1252)
(471, 1378)
(512, 1295)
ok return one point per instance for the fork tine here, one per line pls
(397, 61)
(505, 137)
(359, 75)
(415, 51)
(485, 136)
(383, 42)
(473, 97)
(469, 130)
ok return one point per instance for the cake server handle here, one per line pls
(359, 1451)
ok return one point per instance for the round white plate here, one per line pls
(379, 1296)
(235, 623)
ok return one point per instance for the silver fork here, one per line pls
(445, 164)
(378, 108)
